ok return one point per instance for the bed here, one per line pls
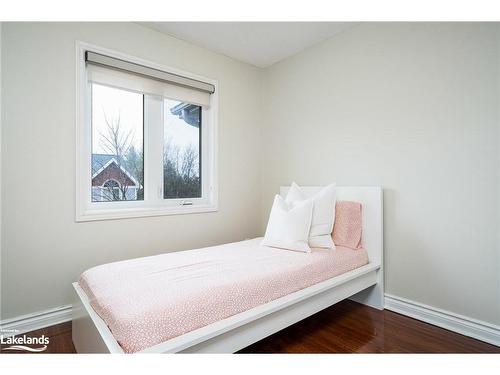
(223, 298)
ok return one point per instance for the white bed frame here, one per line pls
(364, 284)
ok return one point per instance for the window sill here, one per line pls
(129, 213)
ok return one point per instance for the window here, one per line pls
(145, 138)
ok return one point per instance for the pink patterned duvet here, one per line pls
(147, 301)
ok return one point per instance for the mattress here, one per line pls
(147, 301)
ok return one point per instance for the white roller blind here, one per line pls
(141, 82)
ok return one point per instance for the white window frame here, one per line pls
(153, 203)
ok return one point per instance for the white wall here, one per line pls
(0, 169)
(413, 108)
(498, 121)
(43, 249)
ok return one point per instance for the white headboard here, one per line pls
(371, 198)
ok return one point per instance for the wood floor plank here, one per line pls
(347, 327)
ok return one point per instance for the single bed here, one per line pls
(223, 298)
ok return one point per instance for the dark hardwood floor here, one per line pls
(347, 327)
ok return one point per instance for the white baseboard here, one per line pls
(38, 320)
(477, 329)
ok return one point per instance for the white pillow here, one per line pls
(323, 215)
(288, 227)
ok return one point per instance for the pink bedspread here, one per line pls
(147, 301)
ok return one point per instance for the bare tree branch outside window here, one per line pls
(181, 171)
(118, 144)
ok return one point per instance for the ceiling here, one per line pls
(258, 43)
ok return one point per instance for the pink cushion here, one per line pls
(348, 227)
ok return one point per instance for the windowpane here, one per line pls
(181, 151)
(117, 145)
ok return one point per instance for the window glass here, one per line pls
(117, 144)
(181, 151)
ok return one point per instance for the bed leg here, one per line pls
(374, 295)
